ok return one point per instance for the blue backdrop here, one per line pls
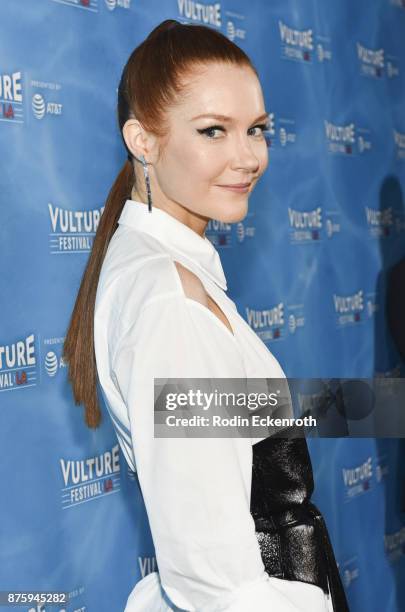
(307, 269)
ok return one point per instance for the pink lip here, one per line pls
(240, 188)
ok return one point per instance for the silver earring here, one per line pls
(147, 181)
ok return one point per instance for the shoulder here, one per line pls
(129, 248)
(138, 269)
(158, 280)
(152, 279)
(135, 270)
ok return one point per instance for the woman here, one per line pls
(192, 118)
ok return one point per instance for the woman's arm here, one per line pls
(196, 491)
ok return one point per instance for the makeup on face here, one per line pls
(217, 149)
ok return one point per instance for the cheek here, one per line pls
(195, 159)
(209, 165)
(186, 171)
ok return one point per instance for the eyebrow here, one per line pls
(228, 119)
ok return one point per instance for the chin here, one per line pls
(233, 214)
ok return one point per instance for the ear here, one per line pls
(138, 141)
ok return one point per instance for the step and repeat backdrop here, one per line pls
(311, 269)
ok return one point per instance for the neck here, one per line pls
(193, 220)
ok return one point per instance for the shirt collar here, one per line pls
(176, 236)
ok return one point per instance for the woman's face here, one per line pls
(203, 154)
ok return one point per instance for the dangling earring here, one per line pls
(147, 181)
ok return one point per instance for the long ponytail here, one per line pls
(78, 347)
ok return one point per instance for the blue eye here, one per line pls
(209, 129)
(264, 127)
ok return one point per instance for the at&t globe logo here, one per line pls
(38, 106)
(51, 363)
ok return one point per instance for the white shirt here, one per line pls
(196, 490)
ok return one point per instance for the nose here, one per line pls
(244, 157)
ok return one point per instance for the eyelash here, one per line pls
(263, 126)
